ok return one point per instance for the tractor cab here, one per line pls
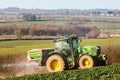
(67, 47)
(66, 44)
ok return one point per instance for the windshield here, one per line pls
(62, 45)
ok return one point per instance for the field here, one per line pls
(21, 46)
(109, 24)
(110, 27)
(15, 51)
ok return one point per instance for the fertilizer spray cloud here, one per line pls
(20, 69)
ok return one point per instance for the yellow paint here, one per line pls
(55, 65)
(86, 63)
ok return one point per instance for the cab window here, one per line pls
(62, 45)
(75, 43)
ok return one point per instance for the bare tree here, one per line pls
(18, 34)
(31, 32)
(94, 33)
(29, 17)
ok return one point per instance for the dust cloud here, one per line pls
(20, 68)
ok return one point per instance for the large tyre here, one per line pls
(86, 61)
(55, 63)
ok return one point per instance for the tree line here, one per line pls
(48, 30)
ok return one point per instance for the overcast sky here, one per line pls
(61, 4)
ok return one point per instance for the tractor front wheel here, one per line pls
(55, 63)
(86, 61)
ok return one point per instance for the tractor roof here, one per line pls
(65, 38)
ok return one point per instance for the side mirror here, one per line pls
(68, 41)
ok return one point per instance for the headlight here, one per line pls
(104, 57)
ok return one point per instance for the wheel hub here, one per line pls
(55, 65)
(86, 63)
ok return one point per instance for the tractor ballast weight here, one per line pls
(67, 54)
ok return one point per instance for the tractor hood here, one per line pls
(91, 50)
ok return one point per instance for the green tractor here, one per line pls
(67, 54)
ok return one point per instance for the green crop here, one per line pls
(98, 73)
(22, 46)
(101, 42)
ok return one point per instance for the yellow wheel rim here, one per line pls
(55, 65)
(86, 63)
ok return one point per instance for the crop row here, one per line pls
(98, 73)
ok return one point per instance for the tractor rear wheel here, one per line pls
(55, 63)
(86, 61)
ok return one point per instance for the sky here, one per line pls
(61, 4)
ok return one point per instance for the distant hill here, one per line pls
(60, 11)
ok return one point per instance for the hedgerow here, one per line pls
(98, 73)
